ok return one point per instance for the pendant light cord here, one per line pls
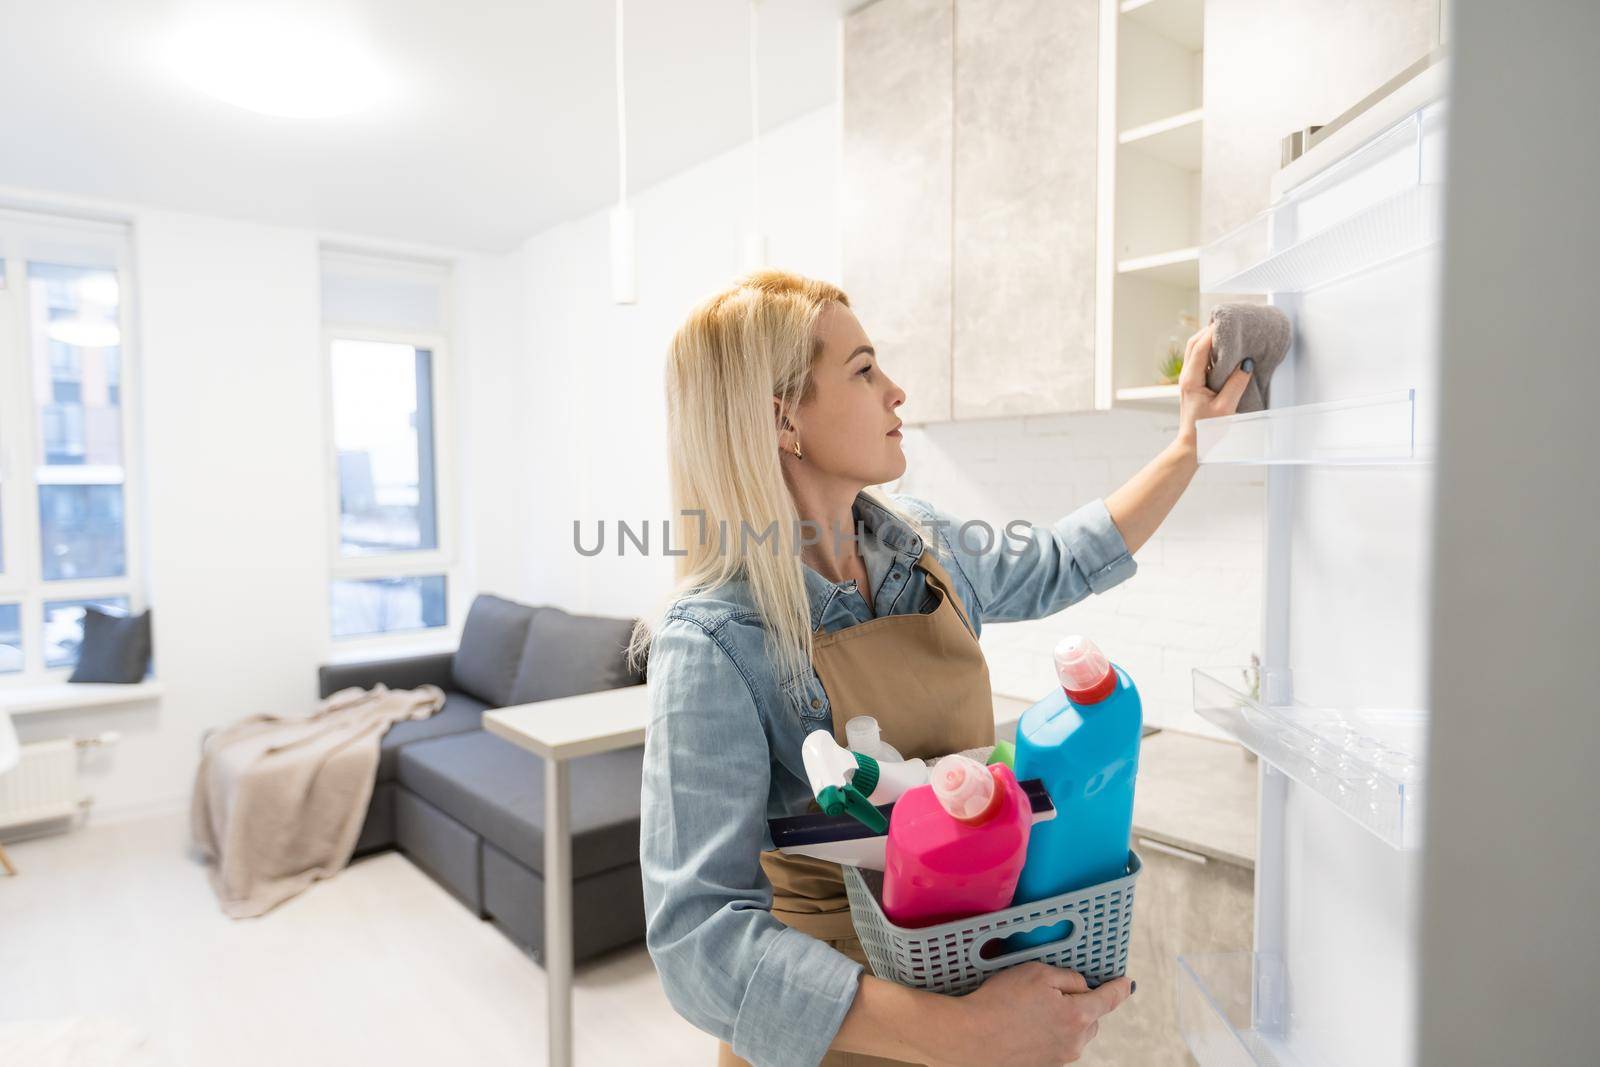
(755, 118)
(622, 118)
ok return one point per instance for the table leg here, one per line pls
(558, 911)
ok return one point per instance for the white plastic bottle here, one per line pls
(849, 782)
(863, 736)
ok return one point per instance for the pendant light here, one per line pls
(624, 267)
(755, 239)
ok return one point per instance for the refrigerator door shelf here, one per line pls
(1380, 203)
(1222, 1010)
(1363, 431)
(1368, 763)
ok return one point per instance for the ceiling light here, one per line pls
(268, 63)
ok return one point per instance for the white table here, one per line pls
(560, 730)
(557, 731)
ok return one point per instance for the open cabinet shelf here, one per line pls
(1154, 395)
(1382, 202)
(1374, 430)
(1176, 267)
(1180, 21)
(1218, 994)
(1174, 140)
(1150, 134)
(1368, 763)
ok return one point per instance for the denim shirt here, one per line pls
(722, 756)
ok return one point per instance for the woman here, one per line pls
(785, 621)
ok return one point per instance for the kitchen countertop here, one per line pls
(1197, 794)
(1007, 710)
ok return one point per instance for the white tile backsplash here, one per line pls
(1196, 599)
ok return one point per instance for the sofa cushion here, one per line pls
(444, 848)
(492, 640)
(497, 789)
(607, 908)
(569, 654)
(460, 714)
(378, 831)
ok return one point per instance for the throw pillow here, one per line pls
(115, 648)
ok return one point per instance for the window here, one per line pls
(391, 549)
(10, 639)
(385, 605)
(383, 438)
(68, 515)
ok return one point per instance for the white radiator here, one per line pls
(44, 785)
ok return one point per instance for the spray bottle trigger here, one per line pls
(847, 799)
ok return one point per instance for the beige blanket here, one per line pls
(279, 801)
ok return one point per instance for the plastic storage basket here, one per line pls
(947, 958)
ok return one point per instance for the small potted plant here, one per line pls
(1171, 364)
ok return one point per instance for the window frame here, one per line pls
(79, 242)
(442, 560)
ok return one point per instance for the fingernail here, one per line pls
(1133, 987)
(1248, 365)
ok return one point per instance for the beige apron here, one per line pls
(925, 679)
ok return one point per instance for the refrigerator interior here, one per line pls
(1338, 711)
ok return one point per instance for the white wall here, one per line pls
(237, 513)
(597, 418)
(597, 435)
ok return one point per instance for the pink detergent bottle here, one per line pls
(956, 845)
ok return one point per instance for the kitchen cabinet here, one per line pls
(1153, 111)
(1024, 202)
(1026, 182)
(1194, 829)
(969, 212)
(896, 217)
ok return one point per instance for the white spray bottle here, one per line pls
(853, 782)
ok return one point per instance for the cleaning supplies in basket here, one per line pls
(853, 783)
(956, 845)
(1083, 742)
(847, 840)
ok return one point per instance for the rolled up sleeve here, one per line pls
(1028, 573)
(730, 968)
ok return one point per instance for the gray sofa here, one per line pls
(468, 807)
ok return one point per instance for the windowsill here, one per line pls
(383, 650)
(66, 696)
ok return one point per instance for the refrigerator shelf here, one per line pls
(1368, 763)
(1379, 203)
(1361, 431)
(1219, 995)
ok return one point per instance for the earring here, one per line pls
(797, 454)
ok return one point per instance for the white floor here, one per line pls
(113, 951)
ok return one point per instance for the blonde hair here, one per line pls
(739, 349)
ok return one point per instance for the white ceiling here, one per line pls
(504, 122)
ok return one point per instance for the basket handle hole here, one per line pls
(1040, 935)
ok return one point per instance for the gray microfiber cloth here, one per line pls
(1248, 331)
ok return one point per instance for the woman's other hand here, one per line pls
(1031, 1014)
(1195, 400)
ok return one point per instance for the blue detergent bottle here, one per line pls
(1084, 743)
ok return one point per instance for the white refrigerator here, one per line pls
(1349, 249)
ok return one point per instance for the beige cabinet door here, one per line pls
(1026, 120)
(895, 208)
(1180, 907)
